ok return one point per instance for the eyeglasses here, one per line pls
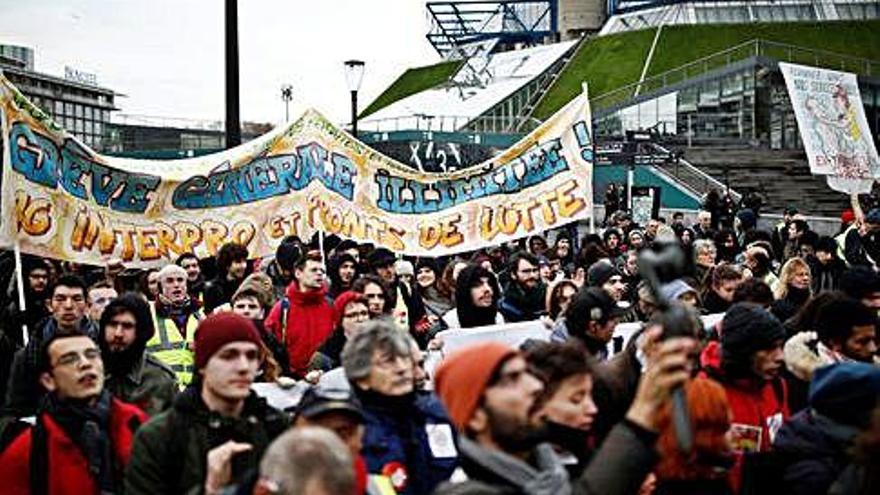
(75, 358)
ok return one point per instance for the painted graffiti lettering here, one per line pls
(401, 195)
(96, 230)
(512, 218)
(33, 215)
(443, 231)
(268, 177)
(41, 162)
(348, 223)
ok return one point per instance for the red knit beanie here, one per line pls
(464, 375)
(343, 300)
(220, 329)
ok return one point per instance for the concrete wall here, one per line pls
(578, 16)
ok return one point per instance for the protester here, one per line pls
(793, 289)
(590, 319)
(559, 297)
(704, 259)
(723, 281)
(218, 416)
(350, 314)
(303, 319)
(254, 300)
(176, 316)
(408, 436)
(342, 271)
(306, 460)
(703, 228)
(491, 394)
(604, 275)
(858, 242)
(100, 294)
(816, 442)
(703, 470)
(131, 373)
(476, 300)
(565, 404)
(751, 360)
(379, 300)
(826, 266)
(195, 281)
(232, 268)
(82, 438)
(405, 309)
(862, 283)
(280, 269)
(525, 296)
(149, 284)
(435, 293)
(68, 303)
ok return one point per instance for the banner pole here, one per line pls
(585, 88)
(321, 247)
(19, 282)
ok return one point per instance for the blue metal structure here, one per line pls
(455, 24)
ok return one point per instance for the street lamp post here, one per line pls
(354, 74)
(287, 96)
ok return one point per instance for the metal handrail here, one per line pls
(752, 48)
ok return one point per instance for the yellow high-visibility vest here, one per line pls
(173, 349)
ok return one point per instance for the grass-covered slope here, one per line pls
(413, 81)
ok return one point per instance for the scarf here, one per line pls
(176, 312)
(547, 477)
(88, 427)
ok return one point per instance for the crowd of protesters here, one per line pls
(120, 380)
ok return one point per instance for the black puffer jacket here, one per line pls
(815, 448)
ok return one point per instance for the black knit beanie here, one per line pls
(746, 329)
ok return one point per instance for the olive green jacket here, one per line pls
(170, 451)
(150, 385)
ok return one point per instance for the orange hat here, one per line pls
(464, 375)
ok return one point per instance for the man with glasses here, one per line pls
(525, 296)
(218, 428)
(303, 319)
(131, 373)
(68, 303)
(82, 436)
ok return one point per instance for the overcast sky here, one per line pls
(167, 56)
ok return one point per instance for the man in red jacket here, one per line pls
(303, 319)
(751, 360)
(82, 438)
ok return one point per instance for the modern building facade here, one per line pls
(79, 106)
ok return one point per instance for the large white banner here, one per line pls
(833, 127)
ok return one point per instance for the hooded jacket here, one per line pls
(337, 286)
(64, 466)
(466, 314)
(520, 304)
(309, 323)
(134, 375)
(169, 455)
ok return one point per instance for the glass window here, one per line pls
(99, 128)
(68, 108)
(78, 125)
(88, 112)
(59, 107)
(78, 109)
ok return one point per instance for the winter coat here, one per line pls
(614, 387)
(521, 305)
(219, 291)
(826, 277)
(410, 439)
(815, 449)
(65, 464)
(758, 408)
(150, 385)
(309, 324)
(618, 467)
(169, 455)
(794, 300)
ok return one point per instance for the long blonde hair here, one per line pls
(787, 273)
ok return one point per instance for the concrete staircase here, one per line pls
(781, 176)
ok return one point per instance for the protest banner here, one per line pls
(832, 124)
(63, 200)
(512, 334)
